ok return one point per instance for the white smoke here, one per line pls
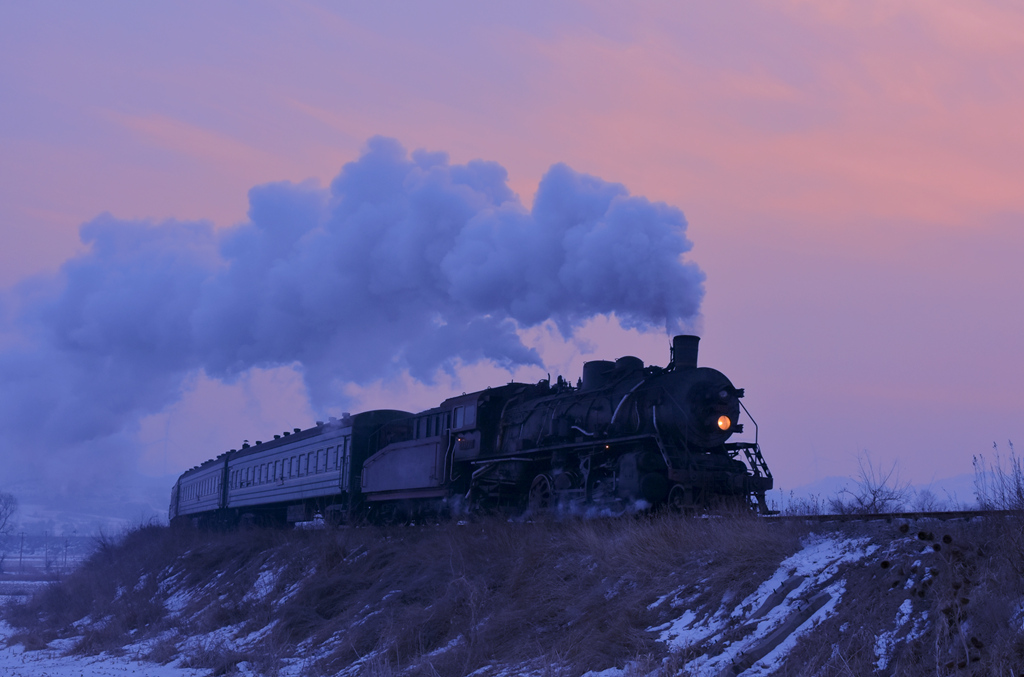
(403, 263)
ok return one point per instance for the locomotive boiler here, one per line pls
(626, 435)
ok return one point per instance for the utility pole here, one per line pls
(21, 554)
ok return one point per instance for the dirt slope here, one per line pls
(662, 595)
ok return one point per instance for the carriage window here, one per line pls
(335, 450)
(470, 415)
(458, 417)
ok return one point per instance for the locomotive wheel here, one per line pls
(681, 499)
(541, 493)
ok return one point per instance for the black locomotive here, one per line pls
(625, 435)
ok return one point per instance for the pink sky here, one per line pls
(852, 173)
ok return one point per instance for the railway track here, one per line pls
(896, 516)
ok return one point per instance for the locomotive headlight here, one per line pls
(724, 423)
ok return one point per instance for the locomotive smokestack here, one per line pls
(684, 351)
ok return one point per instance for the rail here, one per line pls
(893, 516)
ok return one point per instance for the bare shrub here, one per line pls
(926, 501)
(997, 487)
(216, 657)
(876, 491)
(809, 506)
(165, 649)
(8, 508)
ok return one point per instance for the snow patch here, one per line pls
(819, 563)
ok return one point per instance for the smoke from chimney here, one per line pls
(404, 263)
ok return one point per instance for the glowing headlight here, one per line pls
(724, 423)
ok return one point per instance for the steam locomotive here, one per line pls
(625, 435)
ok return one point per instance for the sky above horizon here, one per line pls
(849, 175)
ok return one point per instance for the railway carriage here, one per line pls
(297, 475)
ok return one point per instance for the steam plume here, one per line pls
(403, 263)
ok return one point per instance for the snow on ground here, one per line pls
(51, 662)
(769, 621)
(764, 612)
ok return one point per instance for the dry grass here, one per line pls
(555, 597)
(446, 599)
(964, 591)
